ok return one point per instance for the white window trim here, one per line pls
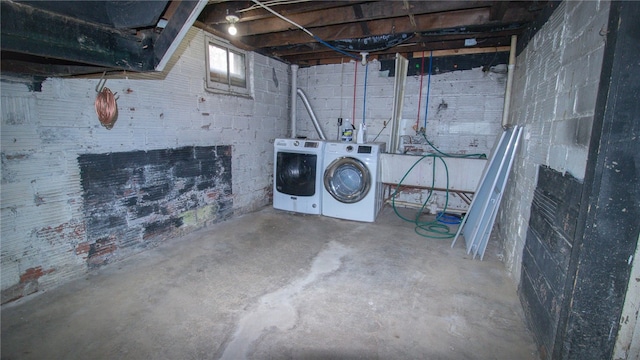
(228, 89)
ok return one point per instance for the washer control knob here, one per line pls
(296, 143)
(349, 148)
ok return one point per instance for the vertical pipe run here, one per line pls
(426, 106)
(355, 83)
(420, 94)
(364, 103)
(400, 80)
(294, 87)
(507, 94)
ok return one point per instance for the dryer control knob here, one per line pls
(296, 143)
(349, 148)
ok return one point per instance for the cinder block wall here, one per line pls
(464, 110)
(464, 115)
(44, 134)
(554, 94)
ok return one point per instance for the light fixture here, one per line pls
(232, 19)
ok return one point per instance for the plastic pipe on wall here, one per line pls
(507, 95)
(294, 87)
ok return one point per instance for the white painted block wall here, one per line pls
(468, 122)
(44, 132)
(554, 94)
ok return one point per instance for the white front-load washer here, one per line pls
(352, 188)
(297, 175)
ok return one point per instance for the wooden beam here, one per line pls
(452, 52)
(28, 30)
(215, 13)
(417, 43)
(177, 27)
(47, 70)
(427, 22)
(354, 13)
(441, 49)
(498, 9)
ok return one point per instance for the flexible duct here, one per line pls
(311, 114)
(294, 86)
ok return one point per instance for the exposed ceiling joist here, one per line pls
(62, 38)
(58, 38)
(32, 31)
(423, 25)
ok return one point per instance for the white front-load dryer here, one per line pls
(352, 189)
(297, 175)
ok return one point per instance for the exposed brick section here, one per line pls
(44, 131)
(33, 274)
(73, 232)
(28, 284)
(139, 198)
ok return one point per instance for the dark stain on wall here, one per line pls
(133, 200)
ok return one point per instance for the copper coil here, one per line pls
(106, 108)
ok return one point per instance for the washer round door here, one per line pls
(347, 179)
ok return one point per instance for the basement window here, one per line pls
(228, 70)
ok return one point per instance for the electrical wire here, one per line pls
(272, 3)
(305, 30)
(384, 126)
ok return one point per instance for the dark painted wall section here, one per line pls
(133, 200)
(609, 236)
(547, 252)
(576, 314)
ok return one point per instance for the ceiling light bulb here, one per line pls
(232, 20)
(232, 29)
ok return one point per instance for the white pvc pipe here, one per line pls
(294, 87)
(507, 93)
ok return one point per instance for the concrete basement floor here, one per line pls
(278, 285)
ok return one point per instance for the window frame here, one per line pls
(228, 88)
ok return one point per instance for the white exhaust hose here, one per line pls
(510, 70)
(314, 119)
(294, 87)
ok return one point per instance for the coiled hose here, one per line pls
(436, 229)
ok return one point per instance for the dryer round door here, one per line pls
(347, 179)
